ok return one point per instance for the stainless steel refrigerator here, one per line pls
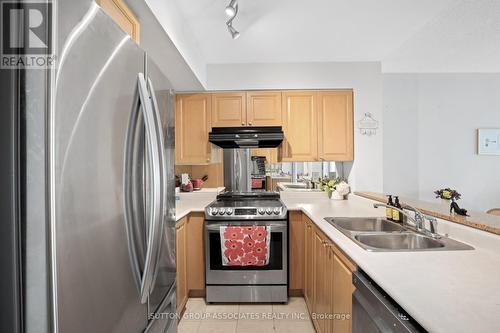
(88, 238)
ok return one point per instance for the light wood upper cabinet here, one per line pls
(271, 154)
(192, 125)
(300, 126)
(318, 125)
(253, 108)
(123, 16)
(228, 109)
(263, 108)
(335, 126)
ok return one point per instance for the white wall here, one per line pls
(364, 77)
(171, 19)
(155, 40)
(450, 107)
(401, 153)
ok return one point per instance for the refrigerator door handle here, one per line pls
(161, 147)
(156, 170)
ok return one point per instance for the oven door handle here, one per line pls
(274, 227)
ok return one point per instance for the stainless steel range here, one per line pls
(266, 282)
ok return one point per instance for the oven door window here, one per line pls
(275, 254)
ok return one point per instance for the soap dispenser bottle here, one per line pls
(396, 215)
(388, 210)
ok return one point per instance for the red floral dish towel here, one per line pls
(245, 245)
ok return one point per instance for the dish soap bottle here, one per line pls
(397, 216)
(388, 210)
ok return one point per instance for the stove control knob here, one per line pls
(276, 211)
(222, 211)
(269, 211)
(214, 211)
(229, 211)
(261, 211)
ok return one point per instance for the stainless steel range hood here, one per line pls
(246, 137)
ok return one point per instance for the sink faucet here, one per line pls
(418, 220)
(309, 183)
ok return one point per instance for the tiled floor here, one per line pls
(246, 318)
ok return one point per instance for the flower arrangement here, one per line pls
(447, 194)
(336, 188)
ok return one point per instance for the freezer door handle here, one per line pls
(161, 152)
(155, 210)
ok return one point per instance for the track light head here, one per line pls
(232, 8)
(234, 33)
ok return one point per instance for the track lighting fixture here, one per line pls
(232, 11)
(234, 33)
(231, 8)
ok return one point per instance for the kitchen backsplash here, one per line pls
(215, 173)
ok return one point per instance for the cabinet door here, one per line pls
(192, 125)
(300, 126)
(296, 247)
(308, 263)
(122, 15)
(180, 247)
(228, 110)
(264, 108)
(195, 255)
(335, 126)
(342, 295)
(271, 154)
(329, 294)
(319, 305)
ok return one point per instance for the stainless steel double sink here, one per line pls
(378, 234)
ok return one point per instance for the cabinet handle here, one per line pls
(250, 123)
(242, 124)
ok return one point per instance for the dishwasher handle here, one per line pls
(381, 309)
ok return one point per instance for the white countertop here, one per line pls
(445, 291)
(283, 186)
(193, 202)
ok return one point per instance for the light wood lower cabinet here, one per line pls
(308, 262)
(319, 270)
(320, 304)
(342, 290)
(195, 255)
(296, 239)
(190, 258)
(180, 246)
(327, 278)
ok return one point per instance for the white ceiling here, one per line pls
(404, 33)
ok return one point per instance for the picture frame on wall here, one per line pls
(488, 141)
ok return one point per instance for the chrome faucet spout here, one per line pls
(377, 205)
(418, 220)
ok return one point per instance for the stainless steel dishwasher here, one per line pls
(373, 311)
